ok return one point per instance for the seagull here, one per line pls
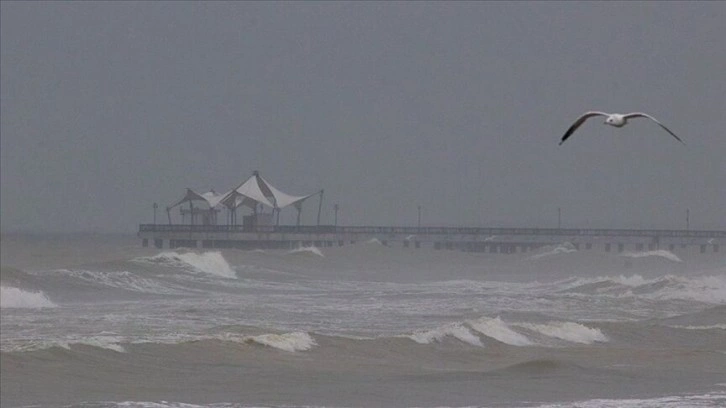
(613, 119)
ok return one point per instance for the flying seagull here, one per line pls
(613, 119)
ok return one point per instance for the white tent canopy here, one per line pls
(280, 199)
(253, 191)
(257, 190)
(191, 195)
(249, 194)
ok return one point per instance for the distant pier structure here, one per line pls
(472, 239)
(260, 228)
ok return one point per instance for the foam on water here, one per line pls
(121, 280)
(212, 262)
(706, 289)
(658, 253)
(108, 342)
(713, 399)
(455, 330)
(499, 330)
(307, 250)
(291, 342)
(708, 327)
(565, 248)
(568, 331)
(11, 297)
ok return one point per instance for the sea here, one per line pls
(96, 320)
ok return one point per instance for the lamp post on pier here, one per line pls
(559, 218)
(155, 207)
(335, 207)
(419, 217)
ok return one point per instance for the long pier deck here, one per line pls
(475, 239)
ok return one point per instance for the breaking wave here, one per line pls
(121, 280)
(311, 250)
(11, 297)
(290, 342)
(713, 399)
(108, 342)
(564, 248)
(455, 330)
(705, 289)
(212, 263)
(499, 330)
(707, 327)
(659, 253)
(568, 331)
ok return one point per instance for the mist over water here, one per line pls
(356, 325)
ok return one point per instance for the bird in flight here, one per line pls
(613, 119)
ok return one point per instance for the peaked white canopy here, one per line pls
(280, 199)
(257, 190)
(190, 195)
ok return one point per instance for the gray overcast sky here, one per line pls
(457, 107)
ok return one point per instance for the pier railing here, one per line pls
(485, 231)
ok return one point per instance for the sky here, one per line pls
(457, 107)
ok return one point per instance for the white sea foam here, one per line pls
(564, 248)
(568, 331)
(374, 241)
(121, 280)
(291, 342)
(659, 253)
(455, 330)
(712, 399)
(499, 330)
(706, 289)
(307, 250)
(11, 297)
(107, 342)
(212, 263)
(709, 327)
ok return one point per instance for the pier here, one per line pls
(472, 239)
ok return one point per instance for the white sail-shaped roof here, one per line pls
(251, 189)
(190, 195)
(281, 200)
(210, 197)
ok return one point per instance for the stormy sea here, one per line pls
(99, 321)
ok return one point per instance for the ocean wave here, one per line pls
(506, 332)
(455, 330)
(11, 297)
(568, 331)
(705, 289)
(564, 248)
(212, 263)
(711, 399)
(290, 342)
(705, 327)
(499, 330)
(309, 250)
(658, 253)
(122, 280)
(108, 342)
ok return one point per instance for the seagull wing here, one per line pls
(645, 115)
(579, 122)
